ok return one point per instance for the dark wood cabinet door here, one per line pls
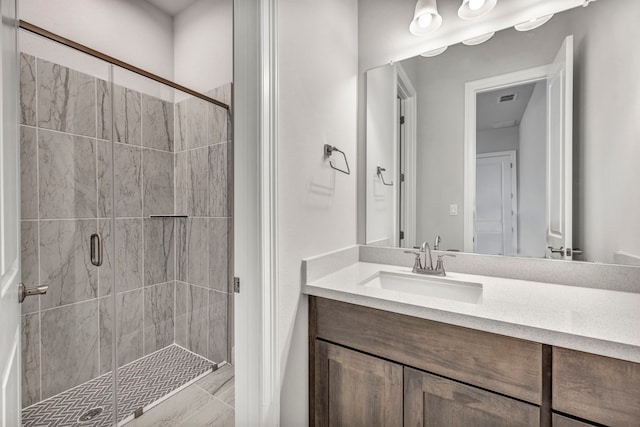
(430, 400)
(354, 389)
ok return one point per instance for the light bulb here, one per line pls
(476, 4)
(425, 20)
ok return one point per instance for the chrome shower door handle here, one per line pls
(96, 249)
(24, 292)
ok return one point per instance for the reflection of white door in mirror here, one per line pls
(560, 151)
(496, 204)
(391, 146)
(552, 82)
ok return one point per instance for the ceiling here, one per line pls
(491, 114)
(172, 7)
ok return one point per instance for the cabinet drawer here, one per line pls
(433, 401)
(596, 388)
(506, 365)
(560, 421)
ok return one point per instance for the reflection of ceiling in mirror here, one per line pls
(502, 107)
(383, 26)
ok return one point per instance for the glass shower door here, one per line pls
(171, 244)
(65, 191)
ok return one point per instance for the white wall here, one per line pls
(381, 151)
(532, 176)
(318, 69)
(203, 45)
(494, 140)
(132, 31)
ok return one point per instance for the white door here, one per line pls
(9, 223)
(496, 202)
(560, 152)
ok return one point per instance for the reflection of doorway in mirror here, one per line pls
(496, 204)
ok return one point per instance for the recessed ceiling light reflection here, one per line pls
(533, 23)
(477, 40)
(434, 52)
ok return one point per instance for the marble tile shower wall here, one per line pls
(171, 278)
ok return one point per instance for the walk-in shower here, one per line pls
(143, 168)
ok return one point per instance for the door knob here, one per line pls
(24, 292)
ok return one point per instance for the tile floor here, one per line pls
(208, 402)
(139, 384)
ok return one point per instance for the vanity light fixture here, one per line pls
(434, 52)
(472, 9)
(426, 19)
(477, 40)
(533, 23)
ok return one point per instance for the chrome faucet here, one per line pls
(427, 267)
(436, 243)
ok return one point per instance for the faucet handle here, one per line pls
(440, 263)
(417, 264)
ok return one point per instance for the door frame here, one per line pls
(407, 92)
(514, 191)
(255, 100)
(471, 90)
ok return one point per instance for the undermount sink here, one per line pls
(426, 286)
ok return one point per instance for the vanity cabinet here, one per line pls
(372, 367)
(596, 388)
(356, 389)
(430, 400)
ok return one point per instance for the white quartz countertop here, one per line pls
(597, 321)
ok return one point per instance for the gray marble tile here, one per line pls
(29, 258)
(198, 320)
(218, 204)
(65, 262)
(28, 173)
(192, 182)
(127, 122)
(69, 337)
(128, 255)
(66, 99)
(182, 248)
(129, 327)
(182, 295)
(128, 174)
(176, 409)
(214, 382)
(67, 182)
(219, 254)
(222, 93)
(158, 316)
(183, 190)
(198, 251)
(218, 326)
(159, 261)
(157, 170)
(181, 125)
(197, 119)
(30, 359)
(215, 414)
(157, 123)
(218, 124)
(27, 89)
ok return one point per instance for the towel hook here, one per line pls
(328, 151)
(379, 171)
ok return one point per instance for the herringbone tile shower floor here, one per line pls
(140, 383)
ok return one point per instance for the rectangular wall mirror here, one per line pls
(527, 144)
